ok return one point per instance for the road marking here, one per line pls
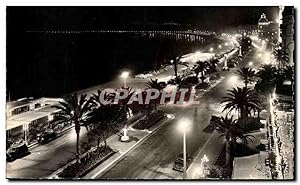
(207, 142)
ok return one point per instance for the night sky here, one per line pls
(52, 65)
(88, 17)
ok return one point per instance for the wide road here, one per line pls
(154, 158)
(45, 159)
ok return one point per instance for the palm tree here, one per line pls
(229, 129)
(176, 81)
(268, 75)
(122, 110)
(247, 75)
(105, 119)
(154, 84)
(181, 83)
(213, 64)
(175, 62)
(96, 98)
(242, 99)
(124, 102)
(281, 56)
(245, 43)
(74, 109)
(201, 67)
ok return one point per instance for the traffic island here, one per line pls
(130, 139)
(150, 120)
(137, 137)
(87, 162)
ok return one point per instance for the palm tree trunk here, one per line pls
(228, 152)
(243, 113)
(98, 143)
(175, 68)
(77, 129)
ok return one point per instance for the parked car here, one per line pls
(17, 150)
(46, 136)
(178, 164)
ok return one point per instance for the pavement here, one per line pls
(155, 154)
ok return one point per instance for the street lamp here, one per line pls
(259, 55)
(220, 46)
(204, 160)
(197, 53)
(184, 126)
(211, 49)
(125, 75)
(240, 51)
(125, 137)
(233, 79)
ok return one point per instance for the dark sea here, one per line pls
(51, 65)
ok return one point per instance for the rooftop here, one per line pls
(263, 19)
(19, 102)
(27, 117)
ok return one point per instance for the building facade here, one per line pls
(26, 117)
(288, 32)
(268, 30)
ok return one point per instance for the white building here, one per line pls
(26, 115)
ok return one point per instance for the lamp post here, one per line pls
(125, 75)
(240, 51)
(184, 125)
(225, 61)
(250, 63)
(184, 155)
(125, 137)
